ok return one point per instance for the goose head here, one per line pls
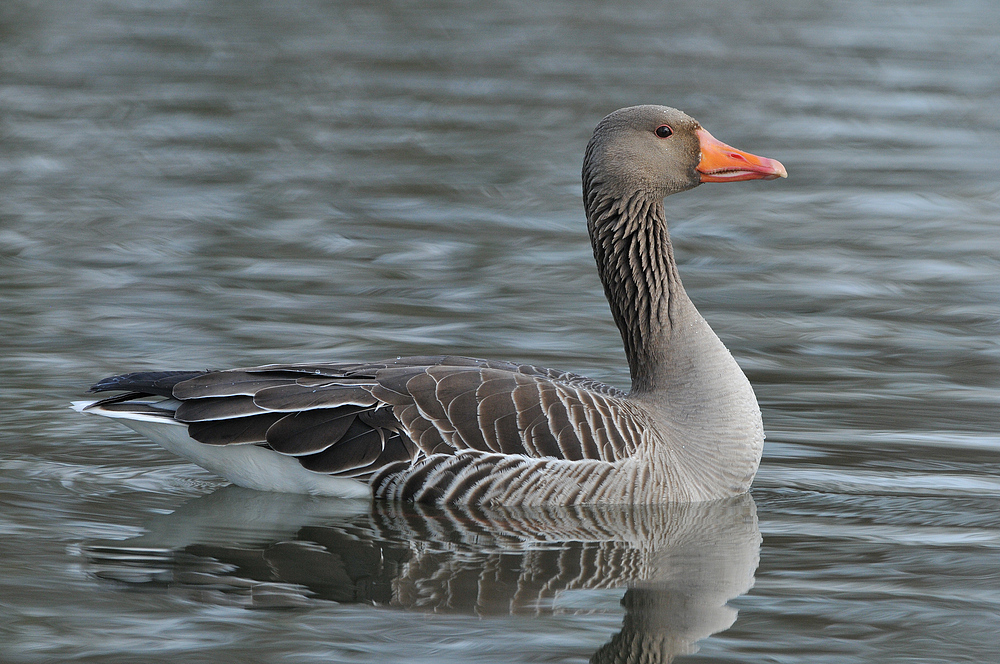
(655, 151)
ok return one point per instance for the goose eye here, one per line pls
(663, 131)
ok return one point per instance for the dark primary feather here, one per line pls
(148, 382)
(358, 419)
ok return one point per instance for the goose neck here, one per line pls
(635, 260)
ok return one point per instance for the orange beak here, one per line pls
(722, 163)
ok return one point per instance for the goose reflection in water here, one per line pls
(679, 564)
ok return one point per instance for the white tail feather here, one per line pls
(250, 466)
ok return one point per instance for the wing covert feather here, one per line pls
(358, 448)
(238, 431)
(222, 408)
(311, 431)
(295, 397)
(227, 384)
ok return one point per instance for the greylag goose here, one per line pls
(459, 430)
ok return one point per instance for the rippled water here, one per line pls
(197, 183)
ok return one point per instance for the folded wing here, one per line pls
(366, 419)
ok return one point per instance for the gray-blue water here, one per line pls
(201, 183)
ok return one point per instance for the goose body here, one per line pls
(460, 430)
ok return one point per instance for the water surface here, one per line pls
(215, 183)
